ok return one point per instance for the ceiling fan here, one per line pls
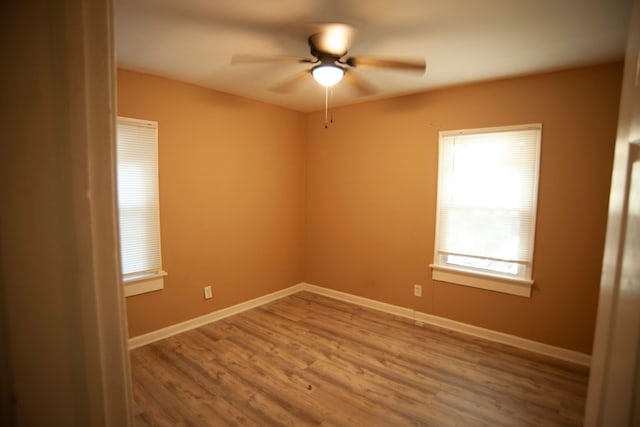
(328, 45)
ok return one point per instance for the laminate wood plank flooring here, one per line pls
(309, 360)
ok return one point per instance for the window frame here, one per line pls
(144, 281)
(483, 279)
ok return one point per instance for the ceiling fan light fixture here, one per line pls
(327, 75)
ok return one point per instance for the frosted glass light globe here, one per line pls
(327, 75)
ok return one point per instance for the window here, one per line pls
(138, 207)
(487, 198)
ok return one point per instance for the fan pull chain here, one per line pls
(328, 92)
(326, 106)
(331, 95)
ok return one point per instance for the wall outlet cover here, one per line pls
(417, 290)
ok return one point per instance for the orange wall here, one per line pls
(255, 198)
(231, 197)
(371, 198)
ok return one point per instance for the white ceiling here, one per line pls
(461, 40)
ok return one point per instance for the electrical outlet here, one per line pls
(207, 292)
(417, 290)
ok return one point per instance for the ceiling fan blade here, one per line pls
(334, 39)
(292, 83)
(360, 84)
(416, 66)
(248, 58)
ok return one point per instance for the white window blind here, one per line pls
(137, 177)
(487, 198)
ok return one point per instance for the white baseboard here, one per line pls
(500, 337)
(196, 322)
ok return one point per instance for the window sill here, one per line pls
(507, 285)
(145, 284)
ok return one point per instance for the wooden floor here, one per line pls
(308, 360)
